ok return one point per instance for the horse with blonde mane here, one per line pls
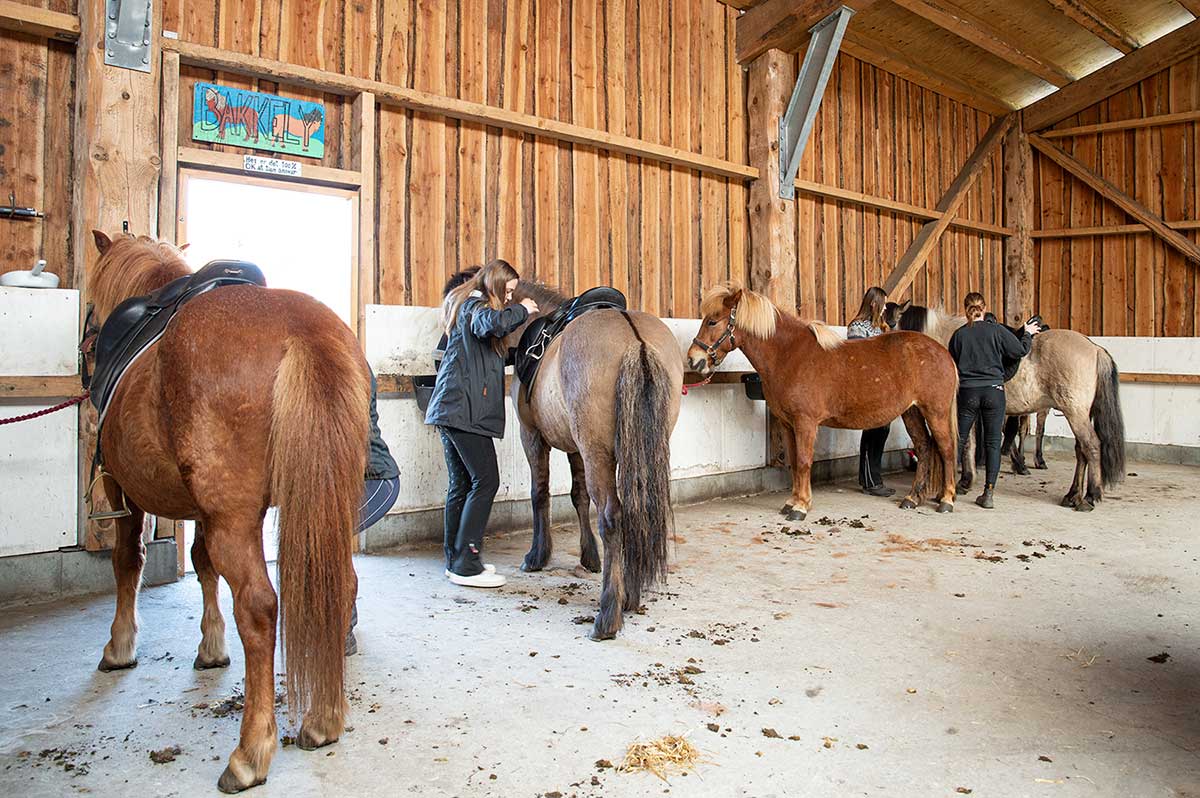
(812, 377)
(252, 397)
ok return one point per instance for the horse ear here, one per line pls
(182, 247)
(905, 305)
(733, 298)
(103, 242)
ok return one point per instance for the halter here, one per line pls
(710, 351)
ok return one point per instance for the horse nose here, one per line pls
(698, 364)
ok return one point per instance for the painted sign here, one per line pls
(224, 115)
(270, 166)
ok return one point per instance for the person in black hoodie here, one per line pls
(980, 349)
(467, 406)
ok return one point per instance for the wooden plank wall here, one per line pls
(881, 135)
(452, 194)
(37, 146)
(1088, 283)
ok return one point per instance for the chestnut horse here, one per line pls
(252, 397)
(811, 377)
(607, 393)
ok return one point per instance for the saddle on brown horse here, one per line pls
(138, 322)
(541, 331)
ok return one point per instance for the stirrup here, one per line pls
(108, 515)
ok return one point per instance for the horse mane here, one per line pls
(133, 266)
(932, 321)
(756, 315)
(540, 293)
(827, 337)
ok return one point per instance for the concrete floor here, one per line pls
(972, 660)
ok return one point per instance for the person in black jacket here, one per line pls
(467, 406)
(980, 349)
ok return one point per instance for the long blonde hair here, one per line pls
(975, 306)
(491, 281)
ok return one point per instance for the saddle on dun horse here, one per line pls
(544, 329)
(138, 322)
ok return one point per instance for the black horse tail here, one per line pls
(1108, 420)
(643, 466)
(1011, 427)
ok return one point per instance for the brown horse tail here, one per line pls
(318, 448)
(643, 465)
(1108, 419)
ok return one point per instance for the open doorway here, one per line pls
(303, 237)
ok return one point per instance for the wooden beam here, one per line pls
(1156, 56)
(915, 211)
(168, 179)
(391, 94)
(1018, 214)
(1087, 17)
(783, 24)
(982, 34)
(1124, 124)
(892, 60)
(1110, 230)
(918, 252)
(233, 162)
(1118, 197)
(1160, 378)
(40, 387)
(38, 21)
(362, 158)
(772, 218)
(1191, 5)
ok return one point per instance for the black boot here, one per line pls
(984, 499)
(879, 490)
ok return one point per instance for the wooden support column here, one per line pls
(772, 219)
(362, 158)
(1018, 215)
(117, 167)
(168, 184)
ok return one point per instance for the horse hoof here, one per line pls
(1021, 471)
(591, 564)
(204, 665)
(908, 504)
(530, 566)
(1084, 506)
(108, 666)
(309, 741)
(946, 507)
(1068, 501)
(786, 509)
(600, 636)
(229, 784)
(797, 515)
(1040, 465)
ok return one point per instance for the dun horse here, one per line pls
(607, 393)
(251, 398)
(811, 377)
(1064, 371)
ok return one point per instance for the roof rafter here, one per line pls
(1083, 14)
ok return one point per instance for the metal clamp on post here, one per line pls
(127, 33)
(796, 123)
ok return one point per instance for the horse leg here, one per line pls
(914, 423)
(1087, 462)
(235, 549)
(802, 456)
(589, 553)
(1017, 452)
(212, 652)
(941, 431)
(789, 446)
(602, 486)
(1039, 460)
(128, 559)
(537, 452)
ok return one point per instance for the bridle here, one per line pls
(710, 350)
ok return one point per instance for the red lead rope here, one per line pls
(48, 410)
(707, 380)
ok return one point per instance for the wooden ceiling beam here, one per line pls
(1118, 197)
(1087, 17)
(891, 60)
(783, 24)
(1191, 5)
(38, 21)
(1156, 56)
(981, 34)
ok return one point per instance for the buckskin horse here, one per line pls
(1065, 371)
(252, 397)
(812, 377)
(607, 393)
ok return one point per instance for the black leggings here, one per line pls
(870, 457)
(474, 480)
(986, 403)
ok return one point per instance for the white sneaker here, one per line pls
(487, 566)
(483, 579)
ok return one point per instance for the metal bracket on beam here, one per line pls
(127, 33)
(795, 125)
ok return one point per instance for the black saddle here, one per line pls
(544, 329)
(140, 321)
